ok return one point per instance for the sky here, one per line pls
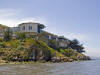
(74, 19)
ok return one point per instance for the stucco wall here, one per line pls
(62, 44)
(34, 27)
(15, 29)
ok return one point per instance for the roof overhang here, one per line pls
(41, 25)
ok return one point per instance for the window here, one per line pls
(39, 29)
(30, 27)
(23, 28)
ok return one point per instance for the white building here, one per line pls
(63, 42)
(28, 27)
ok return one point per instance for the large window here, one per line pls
(30, 27)
(39, 29)
(23, 28)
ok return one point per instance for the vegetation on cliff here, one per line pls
(2, 26)
(27, 50)
(24, 48)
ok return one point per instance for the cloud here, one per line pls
(80, 37)
(93, 52)
(35, 19)
(12, 17)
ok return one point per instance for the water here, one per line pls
(74, 68)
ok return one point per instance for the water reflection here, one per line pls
(74, 68)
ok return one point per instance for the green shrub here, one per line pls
(69, 52)
(20, 35)
(7, 35)
(2, 45)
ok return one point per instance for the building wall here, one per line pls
(62, 44)
(34, 27)
(2, 32)
(15, 29)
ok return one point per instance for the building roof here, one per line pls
(41, 25)
(62, 37)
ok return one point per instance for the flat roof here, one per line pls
(41, 25)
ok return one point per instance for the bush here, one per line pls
(20, 35)
(2, 45)
(7, 35)
(69, 52)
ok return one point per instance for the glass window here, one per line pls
(39, 29)
(30, 27)
(23, 28)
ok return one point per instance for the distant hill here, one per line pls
(3, 26)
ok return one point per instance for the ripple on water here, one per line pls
(73, 68)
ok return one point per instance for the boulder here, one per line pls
(55, 59)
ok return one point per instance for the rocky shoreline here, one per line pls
(67, 59)
(53, 60)
(31, 50)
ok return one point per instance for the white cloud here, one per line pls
(9, 13)
(93, 52)
(12, 17)
(35, 19)
(82, 38)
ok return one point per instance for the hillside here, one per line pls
(3, 26)
(38, 48)
(29, 49)
(33, 50)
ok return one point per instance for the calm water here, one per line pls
(74, 68)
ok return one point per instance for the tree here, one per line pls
(75, 44)
(7, 35)
(53, 44)
(20, 35)
(68, 52)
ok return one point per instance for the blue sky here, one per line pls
(72, 18)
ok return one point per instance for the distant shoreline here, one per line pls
(38, 62)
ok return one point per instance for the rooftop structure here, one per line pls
(28, 27)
